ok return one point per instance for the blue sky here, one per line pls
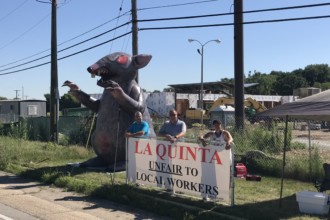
(25, 34)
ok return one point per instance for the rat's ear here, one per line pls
(141, 60)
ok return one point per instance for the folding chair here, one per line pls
(324, 184)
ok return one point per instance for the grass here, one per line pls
(46, 162)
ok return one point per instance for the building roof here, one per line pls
(20, 100)
(209, 87)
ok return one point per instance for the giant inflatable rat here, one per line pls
(121, 98)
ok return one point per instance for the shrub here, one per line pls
(300, 167)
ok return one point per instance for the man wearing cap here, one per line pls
(218, 137)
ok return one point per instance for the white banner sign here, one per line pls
(183, 167)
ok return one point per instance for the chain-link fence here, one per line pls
(71, 129)
(8, 118)
(259, 146)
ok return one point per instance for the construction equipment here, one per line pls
(251, 108)
(248, 103)
(196, 114)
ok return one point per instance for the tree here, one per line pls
(298, 72)
(325, 86)
(68, 101)
(227, 80)
(317, 85)
(286, 83)
(277, 73)
(265, 83)
(316, 73)
(3, 98)
(47, 97)
(168, 90)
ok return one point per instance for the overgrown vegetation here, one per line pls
(260, 148)
(267, 138)
(46, 162)
(72, 130)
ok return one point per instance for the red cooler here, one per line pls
(240, 170)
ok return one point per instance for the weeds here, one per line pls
(47, 161)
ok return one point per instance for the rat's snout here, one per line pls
(90, 69)
(93, 68)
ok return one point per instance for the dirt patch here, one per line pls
(315, 134)
(318, 136)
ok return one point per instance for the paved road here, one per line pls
(28, 200)
(9, 213)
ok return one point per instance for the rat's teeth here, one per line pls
(93, 75)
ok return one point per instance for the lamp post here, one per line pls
(201, 52)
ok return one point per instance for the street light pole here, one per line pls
(201, 52)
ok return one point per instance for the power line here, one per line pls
(70, 55)
(231, 13)
(114, 34)
(34, 26)
(50, 1)
(176, 18)
(183, 27)
(175, 5)
(176, 27)
(127, 39)
(27, 31)
(97, 45)
(40, 58)
(99, 35)
(4, 17)
(84, 33)
(24, 58)
(94, 28)
(230, 24)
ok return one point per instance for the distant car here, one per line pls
(314, 126)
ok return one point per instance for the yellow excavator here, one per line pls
(248, 102)
(251, 108)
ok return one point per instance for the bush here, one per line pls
(297, 146)
(267, 167)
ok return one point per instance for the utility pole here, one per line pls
(16, 90)
(54, 95)
(239, 64)
(135, 34)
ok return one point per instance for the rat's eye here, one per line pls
(122, 59)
